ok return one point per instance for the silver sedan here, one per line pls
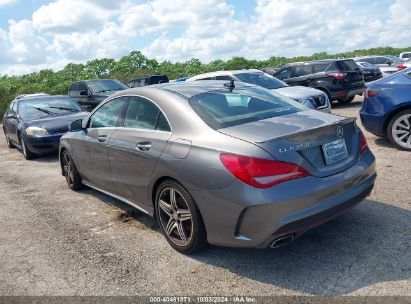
(219, 162)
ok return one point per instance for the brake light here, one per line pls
(261, 173)
(363, 144)
(401, 67)
(372, 93)
(338, 75)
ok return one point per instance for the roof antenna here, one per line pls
(230, 85)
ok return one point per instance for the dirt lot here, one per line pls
(57, 242)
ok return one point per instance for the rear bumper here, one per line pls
(44, 144)
(372, 123)
(345, 93)
(242, 216)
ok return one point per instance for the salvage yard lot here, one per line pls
(54, 241)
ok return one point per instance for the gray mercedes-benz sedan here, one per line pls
(225, 163)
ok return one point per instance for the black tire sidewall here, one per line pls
(28, 155)
(77, 180)
(389, 129)
(199, 239)
(346, 100)
(8, 142)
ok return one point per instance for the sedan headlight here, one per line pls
(35, 131)
(309, 102)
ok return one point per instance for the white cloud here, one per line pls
(81, 30)
(7, 2)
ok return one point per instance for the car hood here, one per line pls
(56, 124)
(298, 92)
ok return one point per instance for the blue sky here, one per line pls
(39, 34)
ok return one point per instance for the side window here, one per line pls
(369, 60)
(82, 87)
(109, 114)
(320, 67)
(284, 74)
(9, 109)
(14, 107)
(302, 70)
(223, 78)
(73, 91)
(143, 114)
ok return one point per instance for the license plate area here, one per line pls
(335, 151)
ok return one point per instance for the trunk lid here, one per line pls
(300, 137)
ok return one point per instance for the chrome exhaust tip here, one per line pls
(282, 241)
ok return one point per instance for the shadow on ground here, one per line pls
(384, 142)
(351, 105)
(368, 245)
(51, 158)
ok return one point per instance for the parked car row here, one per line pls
(311, 98)
(229, 160)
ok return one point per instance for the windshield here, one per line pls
(44, 107)
(99, 86)
(222, 109)
(261, 79)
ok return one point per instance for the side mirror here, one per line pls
(11, 116)
(76, 125)
(389, 62)
(84, 93)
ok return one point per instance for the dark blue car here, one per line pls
(35, 124)
(386, 111)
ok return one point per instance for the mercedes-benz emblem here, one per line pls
(340, 132)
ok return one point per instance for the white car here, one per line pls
(310, 97)
(405, 56)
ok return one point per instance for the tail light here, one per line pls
(261, 173)
(338, 75)
(363, 144)
(401, 67)
(370, 93)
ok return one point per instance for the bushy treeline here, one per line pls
(136, 64)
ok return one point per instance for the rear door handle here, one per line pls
(143, 146)
(102, 138)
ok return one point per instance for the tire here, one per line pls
(346, 100)
(8, 142)
(399, 130)
(26, 152)
(326, 93)
(73, 178)
(179, 219)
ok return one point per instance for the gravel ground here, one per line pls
(54, 241)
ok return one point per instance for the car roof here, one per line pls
(317, 61)
(192, 88)
(33, 97)
(149, 76)
(224, 73)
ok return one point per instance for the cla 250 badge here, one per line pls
(297, 147)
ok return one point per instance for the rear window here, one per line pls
(344, 65)
(222, 109)
(261, 79)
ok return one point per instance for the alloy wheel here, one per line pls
(401, 131)
(68, 168)
(175, 217)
